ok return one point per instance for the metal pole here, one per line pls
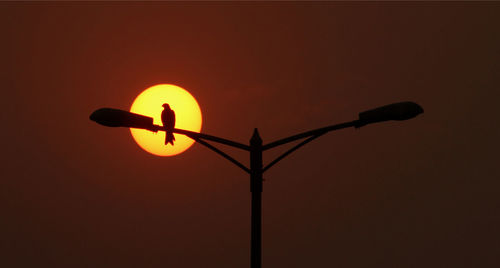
(256, 190)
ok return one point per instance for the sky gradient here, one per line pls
(419, 193)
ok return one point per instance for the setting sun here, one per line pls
(187, 113)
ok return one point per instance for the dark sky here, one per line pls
(420, 193)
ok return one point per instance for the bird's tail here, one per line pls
(169, 138)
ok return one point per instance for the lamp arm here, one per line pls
(306, 134)
(196, 135)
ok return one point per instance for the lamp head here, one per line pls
(396, 111)
(118, 118)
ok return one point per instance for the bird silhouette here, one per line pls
(168, 120)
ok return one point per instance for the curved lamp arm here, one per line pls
(396, 111)
(111, 117)
(309, 133)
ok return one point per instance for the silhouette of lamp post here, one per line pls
(118, 118)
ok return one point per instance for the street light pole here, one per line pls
(256, 190)
(117, 118)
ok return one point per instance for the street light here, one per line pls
(118, 118)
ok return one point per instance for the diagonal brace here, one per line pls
(211, 147)
(304, 142)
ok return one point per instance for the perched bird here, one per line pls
(168, 120)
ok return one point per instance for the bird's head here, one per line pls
(166, 106)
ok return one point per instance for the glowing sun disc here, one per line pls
(187, 113)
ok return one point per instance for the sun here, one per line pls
(187, 113)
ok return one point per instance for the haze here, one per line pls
(419, 193)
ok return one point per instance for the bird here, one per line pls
(168, 120)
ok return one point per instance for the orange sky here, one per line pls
(421, 193)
